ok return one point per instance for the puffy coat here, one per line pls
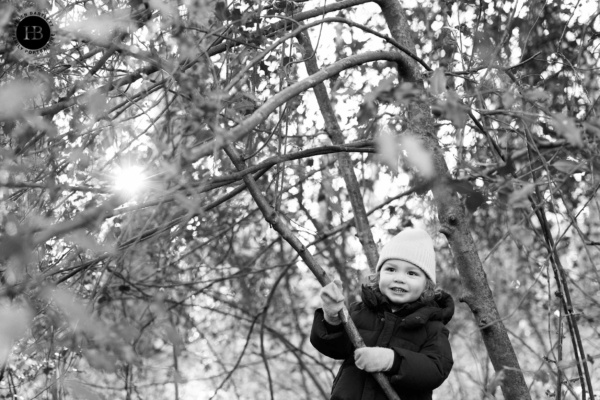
(416, 333)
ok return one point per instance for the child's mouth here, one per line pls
(399, 290)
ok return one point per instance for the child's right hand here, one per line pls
(333, 301)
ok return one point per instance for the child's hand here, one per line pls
(374, 359)
(333, 301)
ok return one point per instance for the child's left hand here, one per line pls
(374, 359)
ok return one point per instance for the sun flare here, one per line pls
(129, 180)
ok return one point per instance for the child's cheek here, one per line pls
(381, 283)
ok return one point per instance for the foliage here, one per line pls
(172, 284)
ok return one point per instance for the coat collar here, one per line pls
(416, 313)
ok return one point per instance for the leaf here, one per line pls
(236, 14)
(522, 235)
(518, 196)
(221, 11)
(14, 241)
(15, 98)
(566, 166)
(175, 338)
(416, 156)
(385, 85)
(100, 360)
(438, 82)
(508, 167)
(541, 376)
(6, 14)
(387, 148)
(508, 99)
(456, 112)
(88, 242)
(462, 187)
(405, 92)
(70, 305)
(79, 391)
(101, 28)
(96, 104)
(592, 128)
(474, 200)
(590, 358)
(77, 314)
(473, 197)
(14, 322)
(566, 127)
(495, 381)
(366, 112)
(537, 94)
(165, 9)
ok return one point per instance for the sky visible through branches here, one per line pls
(141, 146)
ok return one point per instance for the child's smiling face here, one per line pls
(401, 282)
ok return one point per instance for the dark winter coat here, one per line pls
(416, 333)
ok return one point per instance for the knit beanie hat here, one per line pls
(412, 245)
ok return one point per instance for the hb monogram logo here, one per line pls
(33, 32)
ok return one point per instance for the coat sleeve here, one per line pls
(330, 340)
(428, 368)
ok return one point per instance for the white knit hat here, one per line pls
(412, 245)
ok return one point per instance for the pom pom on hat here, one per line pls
(412, 245)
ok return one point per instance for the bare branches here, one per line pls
(30, 185)
(272, 217)
(151, 69)
(345, 162)
(240, 131)
(196, 258)
(80, 221)
(300, 31)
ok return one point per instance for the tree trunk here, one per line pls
(451, 213)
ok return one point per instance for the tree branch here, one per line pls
(263, 112)
(345, 165)
(80, 221)
(185, 64)
(455, 224)
(286, 233)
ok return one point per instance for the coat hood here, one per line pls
(417, 313)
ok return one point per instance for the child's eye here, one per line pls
(389, 268)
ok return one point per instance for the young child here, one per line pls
(401, 319)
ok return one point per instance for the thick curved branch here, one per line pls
(263, 112)
(358, 147)
(300, 31)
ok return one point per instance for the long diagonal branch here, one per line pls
(273, 218)
(345, 165)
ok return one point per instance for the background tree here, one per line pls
(135, 263)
